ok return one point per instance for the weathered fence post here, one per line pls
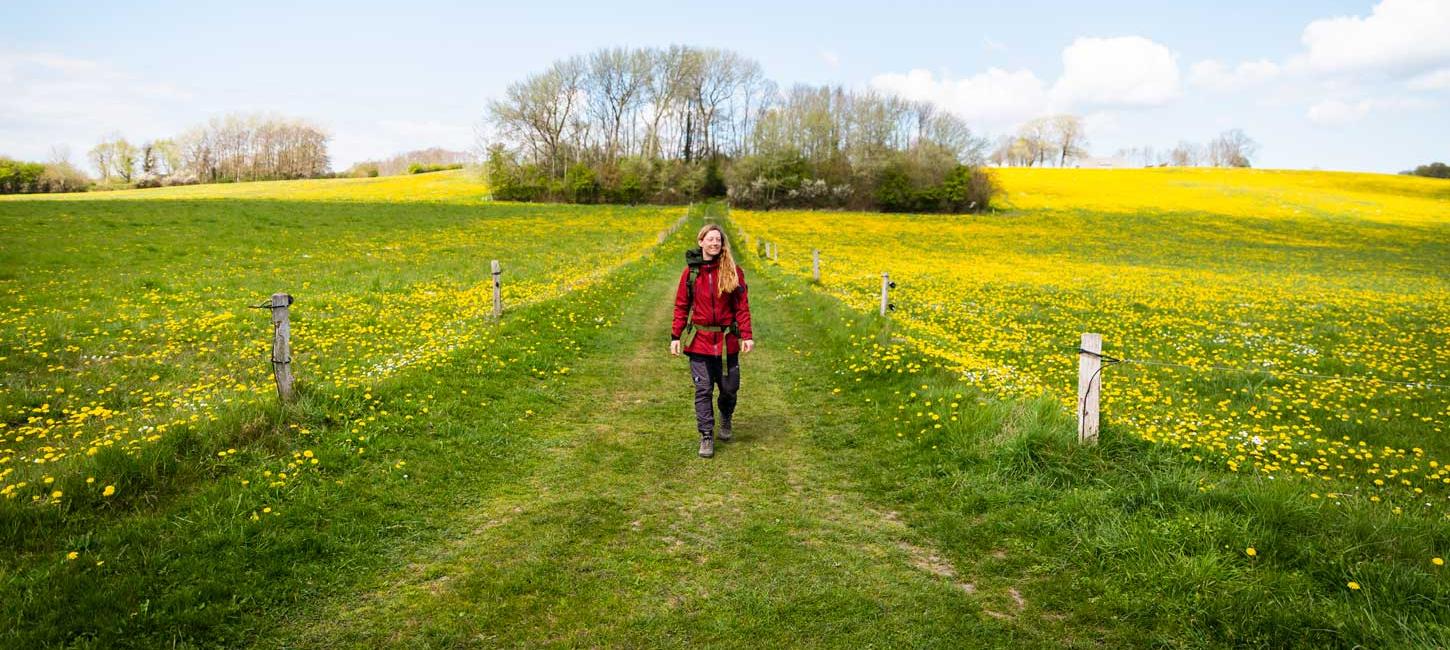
(282, 345)
(497, 293)
(816, 264)
(1089, 387)
(885, 288)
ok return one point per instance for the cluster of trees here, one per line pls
(1049, 140)
(411, 162)
(676, 124)
(230, 148)
(19, 177)
(1432, 170)
(1232, 148)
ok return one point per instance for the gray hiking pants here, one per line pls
(707, 373)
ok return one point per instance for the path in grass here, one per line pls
(623, 536)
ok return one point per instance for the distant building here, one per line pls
(1114, 162)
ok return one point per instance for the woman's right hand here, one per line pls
(675, 348)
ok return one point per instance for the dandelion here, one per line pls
(1353, 586)
(110, 489)
(1251, 552)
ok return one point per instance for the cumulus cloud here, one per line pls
(1213, 75)
(995, 97)
(1437, 80)
(1124, 71)
(1098, 73)
(1334, 112)
(1398, 37)
(831, 58)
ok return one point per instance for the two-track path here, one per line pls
(621, 536)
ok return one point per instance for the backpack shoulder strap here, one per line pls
(690, 290)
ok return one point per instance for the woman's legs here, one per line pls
(706, 372)
(729, 387)
(701, 373)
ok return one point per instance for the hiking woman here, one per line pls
(712, 326)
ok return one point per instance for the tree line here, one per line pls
(1232, 148)
(226, 149)
(58, 175)
(1432, 170)
(681, 123)
(411, 162)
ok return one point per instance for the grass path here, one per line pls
(624, 537)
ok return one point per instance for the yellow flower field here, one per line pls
(1284, 323)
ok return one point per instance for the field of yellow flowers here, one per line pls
(127, 314)
(1288, 324)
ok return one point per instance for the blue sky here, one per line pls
(1329, 84)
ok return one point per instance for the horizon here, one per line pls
(1342, 86)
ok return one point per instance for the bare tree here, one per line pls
(1070, 136)
(616, 86)
(538, 109)
(1232, 148)
(1037, 136)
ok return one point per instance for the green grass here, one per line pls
(548, 494)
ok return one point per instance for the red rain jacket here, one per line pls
(711, 308)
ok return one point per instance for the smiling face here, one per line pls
(711, 244)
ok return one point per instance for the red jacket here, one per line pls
(711, 308)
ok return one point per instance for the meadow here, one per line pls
(448, 479)
(1290, 324)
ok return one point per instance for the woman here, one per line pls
(712, 314)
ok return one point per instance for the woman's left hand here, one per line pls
(747, 345)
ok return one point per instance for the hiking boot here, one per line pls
(724, 434)
(707, 446)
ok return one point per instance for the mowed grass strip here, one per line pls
(625, 538)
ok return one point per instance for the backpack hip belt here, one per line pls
(727, 330)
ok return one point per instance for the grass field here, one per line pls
(1292, 324)
(911, 481)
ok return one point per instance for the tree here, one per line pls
(1037, 136)
(100, 157)
(1070, 136)
(1232, 148)
(1432, 170)
(538, 109)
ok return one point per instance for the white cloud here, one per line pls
(996, 97)
(1214, 75)
(1437, 80)
(831, 58)
(990, 44)
(1098, 73)
(1334, 112)
(47, 99)
(1124, 71)
(1398, 37)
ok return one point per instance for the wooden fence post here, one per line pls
(1089, 387)
(885, 287)
(816, 264)
(282, 345)
(497, 293)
